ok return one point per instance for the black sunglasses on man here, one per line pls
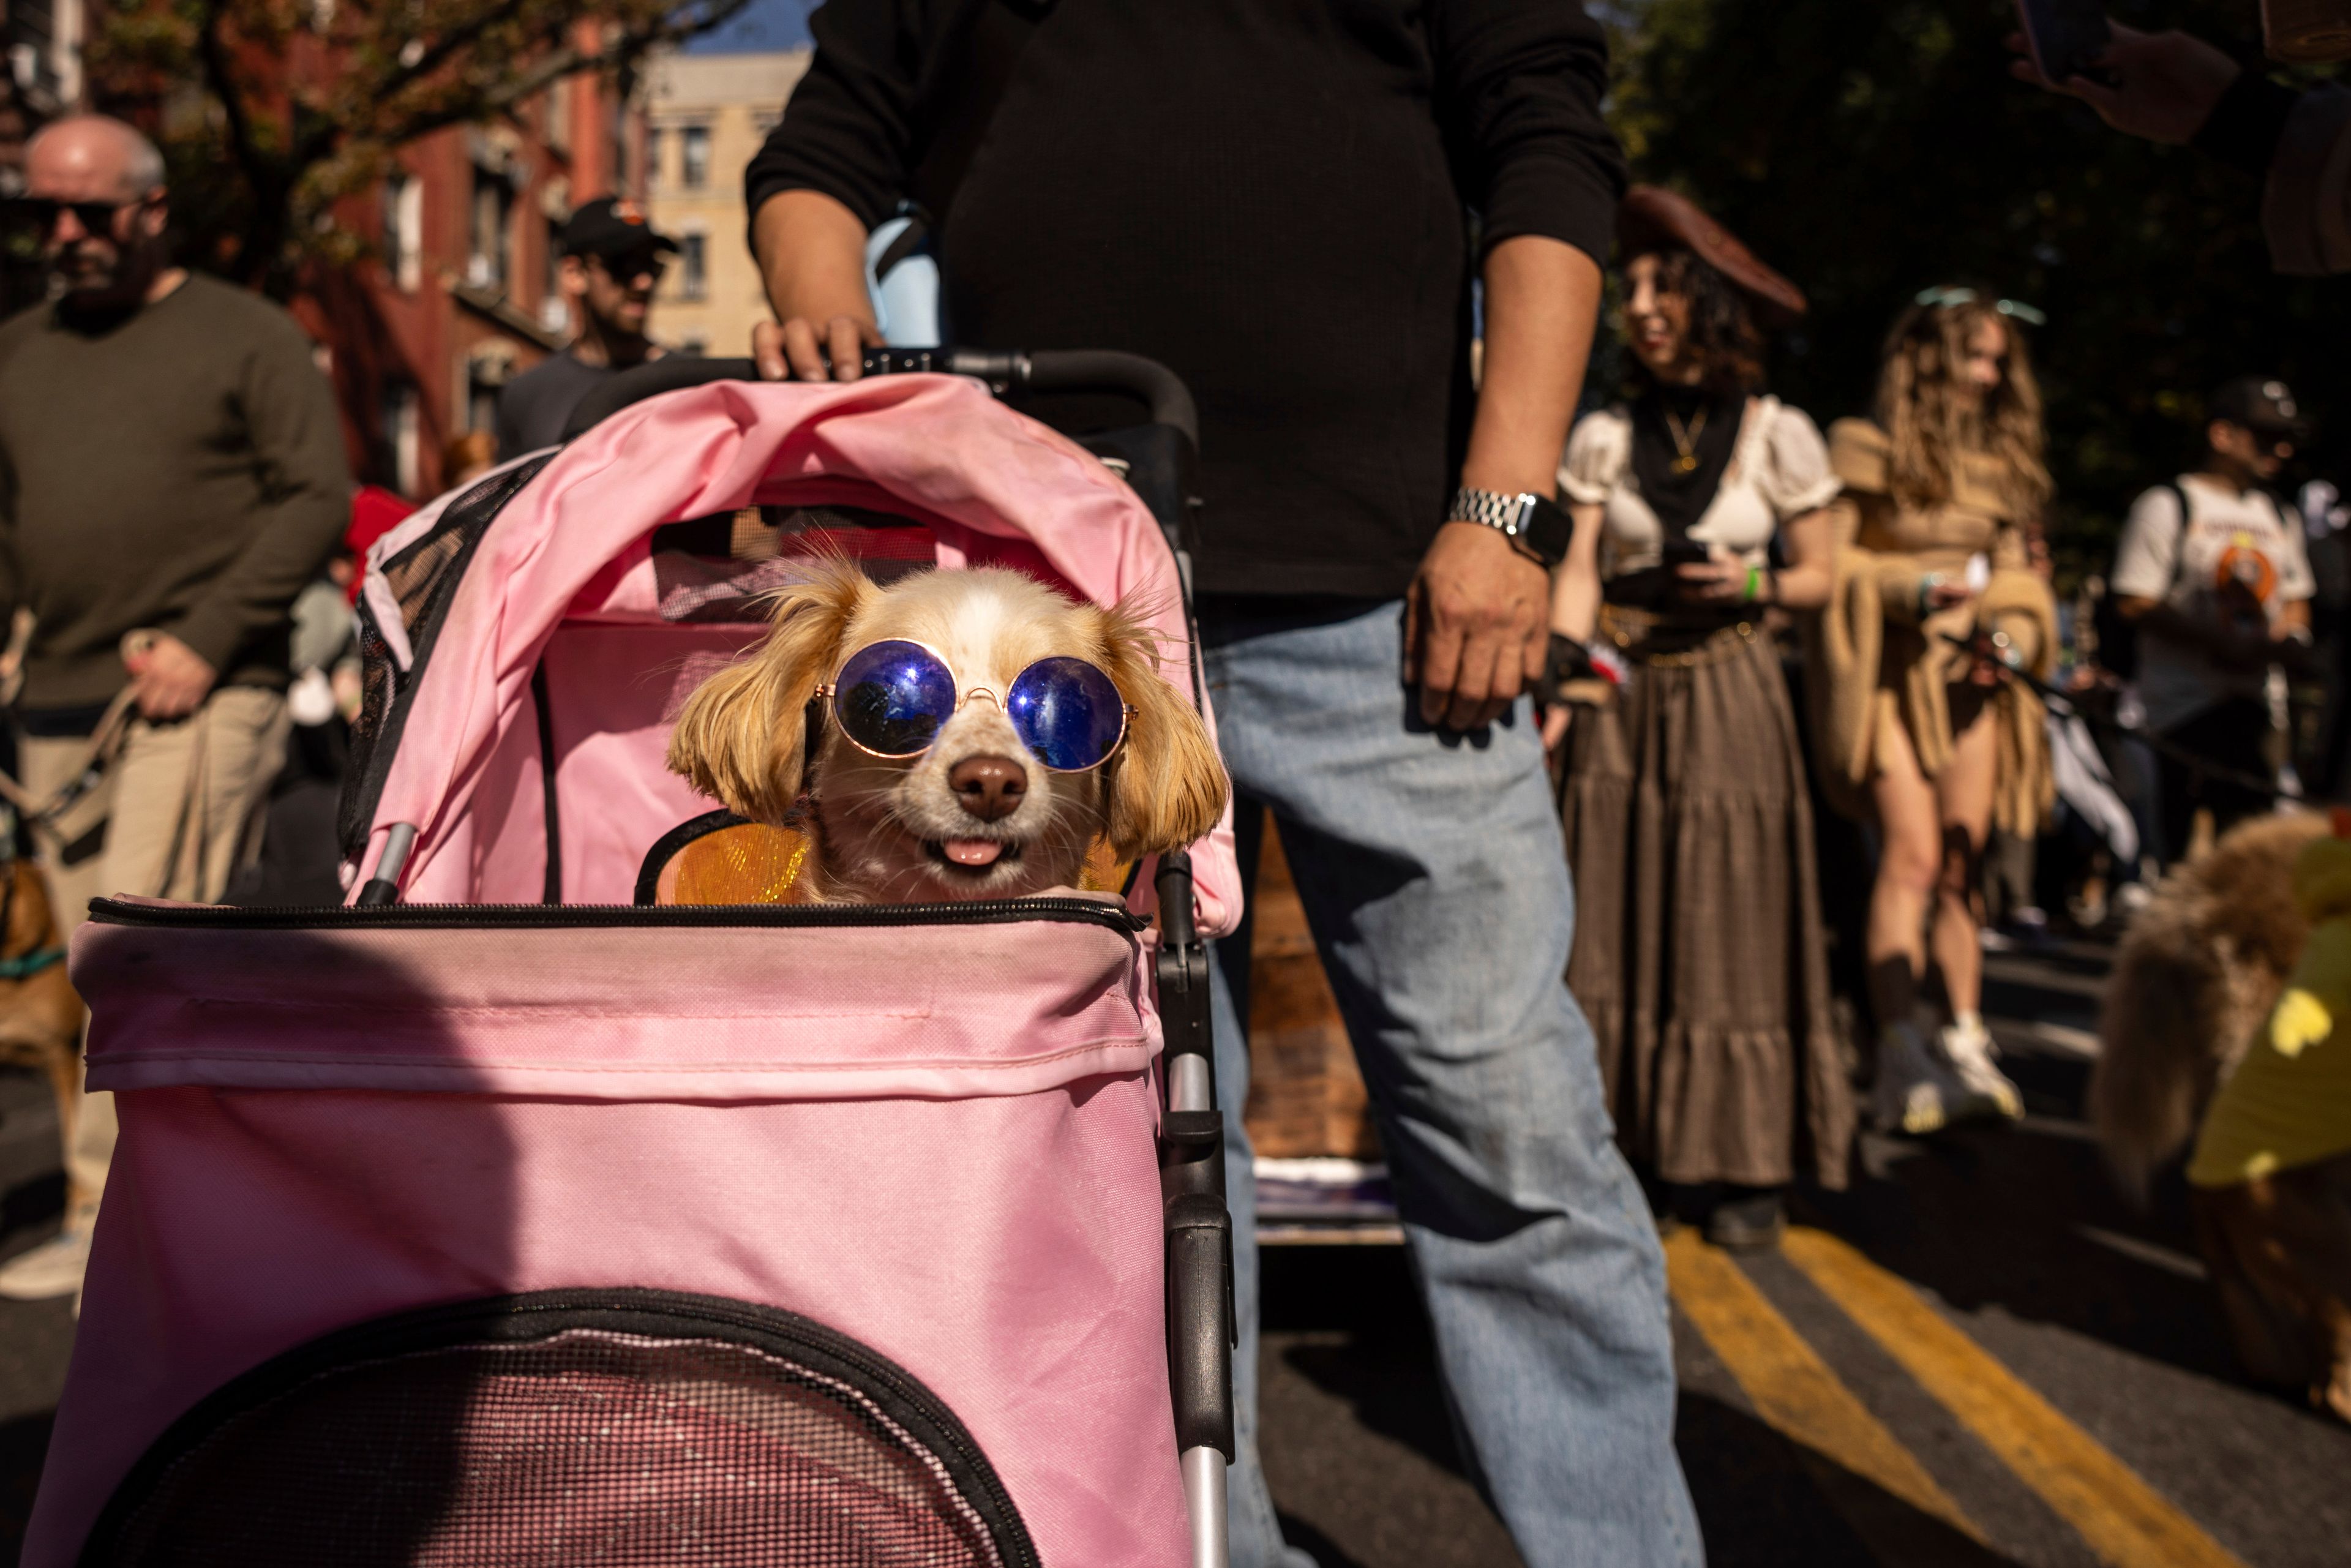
(629, 266)
(39, 213)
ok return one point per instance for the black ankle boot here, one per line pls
(1748, 1218)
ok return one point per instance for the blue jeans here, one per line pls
(1433, 875)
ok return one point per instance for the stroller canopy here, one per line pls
(561, 591)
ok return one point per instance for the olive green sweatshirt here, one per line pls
(180, 469)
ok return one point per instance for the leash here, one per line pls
(2062, 704)
(105, 742)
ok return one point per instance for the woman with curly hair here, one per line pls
(1934, 603)
(1699, 954)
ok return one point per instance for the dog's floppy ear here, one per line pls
(742, 736)
(1168, 786)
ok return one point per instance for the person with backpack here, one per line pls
(1275, 201)
(2213, 580)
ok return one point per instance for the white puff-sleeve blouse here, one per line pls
(1779, 471)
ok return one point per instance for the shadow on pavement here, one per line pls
(1357, 1445)
(1370, 1343)
(2026, 1219)
(1348, 1321)
(1765, 1501)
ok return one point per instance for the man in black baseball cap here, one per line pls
(613, 261)
(2214, 575)
(2264, 407)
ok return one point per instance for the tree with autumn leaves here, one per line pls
(271, 111)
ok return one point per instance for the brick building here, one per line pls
(461, 295)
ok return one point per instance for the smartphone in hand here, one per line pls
(2068, 37)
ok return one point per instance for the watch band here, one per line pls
(1534, 523)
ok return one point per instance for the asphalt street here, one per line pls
(1979, 1355)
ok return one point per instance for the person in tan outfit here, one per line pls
(172, 474)
(1699, 954)
(1918, 719)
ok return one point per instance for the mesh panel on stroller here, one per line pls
(636, 1428)
(514, 1224)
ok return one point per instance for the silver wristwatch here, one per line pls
(1535, 524)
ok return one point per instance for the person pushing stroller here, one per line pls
(1418, 824)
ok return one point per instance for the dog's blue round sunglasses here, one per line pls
(892, 697)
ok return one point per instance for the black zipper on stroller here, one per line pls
(595, 916)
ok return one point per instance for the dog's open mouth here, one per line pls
(972, 855)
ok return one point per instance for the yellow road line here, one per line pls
(2126, 1521)
(1790, 1387)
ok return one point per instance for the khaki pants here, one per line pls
(175, 816)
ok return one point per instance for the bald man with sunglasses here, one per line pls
(172, 474)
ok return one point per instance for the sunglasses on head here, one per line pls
(40, 212)
(892, 697)
(1947, 299)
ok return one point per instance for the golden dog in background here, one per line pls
(40, 1013)
(2196, 974)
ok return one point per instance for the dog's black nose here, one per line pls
(989, 787)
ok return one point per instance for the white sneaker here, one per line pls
(53, 1269)
(1914, 1092)
(1986, 1090)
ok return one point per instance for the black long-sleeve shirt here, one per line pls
(1270, 196)
(181, 468)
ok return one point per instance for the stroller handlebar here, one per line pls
(1007, 373)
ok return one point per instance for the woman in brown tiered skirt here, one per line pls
(1699, 949)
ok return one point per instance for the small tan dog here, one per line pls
(2194, 978)
(40, 1013)
(958, 734)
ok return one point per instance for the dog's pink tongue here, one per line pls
(972, 851)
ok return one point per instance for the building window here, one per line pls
(400, 458)
(488, 264)
(693, 272)
(403, 230)
(693, 157)
(653, 173)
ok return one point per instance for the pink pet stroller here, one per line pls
(495, 1220)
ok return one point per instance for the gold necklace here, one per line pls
(1685, 438)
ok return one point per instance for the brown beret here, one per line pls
(1654, 218)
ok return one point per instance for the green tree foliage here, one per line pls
(1873, 148)
(272, 111)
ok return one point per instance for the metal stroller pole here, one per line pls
(1200, 1323)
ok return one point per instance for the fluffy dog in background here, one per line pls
(2194, 978)
(975, 815)
(2195, 1037)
